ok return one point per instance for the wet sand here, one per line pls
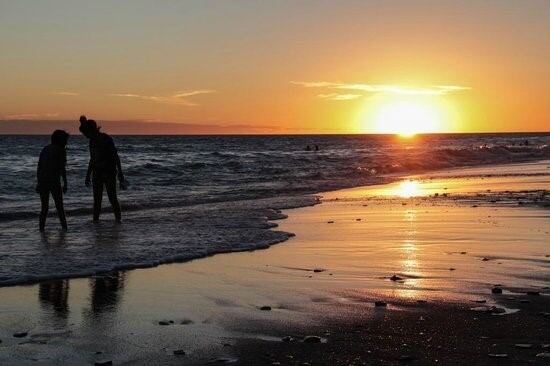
(447, 239)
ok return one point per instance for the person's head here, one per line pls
(60, 138)
(88, 127)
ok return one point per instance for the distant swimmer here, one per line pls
(308, 148)
(316, 147)
(50, 170)
(103, 168)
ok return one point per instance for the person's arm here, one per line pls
(38, 169)
(119, 167)
(64, 172)
(88, 174)
(117, 160)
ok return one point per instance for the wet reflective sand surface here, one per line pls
(447, 237)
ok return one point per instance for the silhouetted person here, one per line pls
(308, 148)
(103, 168)
(316, 147)
(51, 168)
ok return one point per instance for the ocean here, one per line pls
(192, 196)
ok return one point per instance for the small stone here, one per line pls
(318, 270)
(405, 358)
(357, 219)
(463, 253)
(485, 259)
(421, 301)
(523, 345)
(287, 339)
(480, 301)
(533, 293)
(179, 352)
(164, 322)
(544, 355)
(103, 363)
(380, 304)
(20, 334)
(266, 308)
(452, 269)
(498, 355)
(496, 290)
(396, 278)
(312, 339)
(330, 222)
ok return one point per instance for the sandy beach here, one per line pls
(458, 261)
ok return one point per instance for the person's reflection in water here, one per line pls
(106, 292)
(55, 295)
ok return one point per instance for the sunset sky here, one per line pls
(281, 66)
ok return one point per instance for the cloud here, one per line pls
(178, 98)
(66, 93)
(30, 116)
(377, 88)
(336, 96)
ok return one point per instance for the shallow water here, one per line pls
(194, 196)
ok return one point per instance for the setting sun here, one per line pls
(406, 117)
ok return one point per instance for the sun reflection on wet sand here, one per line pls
(408, 188)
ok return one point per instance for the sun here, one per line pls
(405, 118)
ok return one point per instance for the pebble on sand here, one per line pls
(312, 339)
(533, 293)
(380, 303)
(543, 354)
(485, 259)
(179, 352)
(164, 322)
(287, 339)
(523, 345)
(496, 290)
(20, 334)
(265, 308)
(396, 278)
(103, 363)
(330, 222)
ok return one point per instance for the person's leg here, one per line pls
(58, 200)
(97, 184)
(110, 185)
(45, 205)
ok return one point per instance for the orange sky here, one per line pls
(277, 66)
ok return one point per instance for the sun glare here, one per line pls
(408, 188)
(404, 117)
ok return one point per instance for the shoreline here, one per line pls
(239, 307)
(273, 214)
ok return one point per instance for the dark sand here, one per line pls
(410, 333)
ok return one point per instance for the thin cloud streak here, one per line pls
(377, 88)
(30, 116)
(66, 93)
(178, 98)
(336, 96)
